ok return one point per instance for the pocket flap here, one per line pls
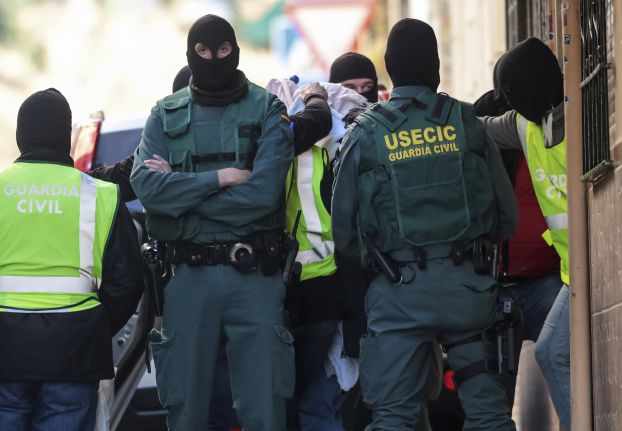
(171, 105)
(179, 159)
(478, 283)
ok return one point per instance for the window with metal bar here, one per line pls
(596, 155)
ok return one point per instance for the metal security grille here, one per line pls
(596, 158)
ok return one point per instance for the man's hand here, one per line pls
(232, 176)
(158, 164)
(313, 89)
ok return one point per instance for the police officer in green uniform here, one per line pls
(221, 212)
(417, 184)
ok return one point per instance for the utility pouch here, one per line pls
(482, 257)
(269, 260)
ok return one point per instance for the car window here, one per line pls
(116, 146)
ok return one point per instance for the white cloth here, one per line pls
(346, 369)
(340, 99)
(104, 405)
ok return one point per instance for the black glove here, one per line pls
(313, 89)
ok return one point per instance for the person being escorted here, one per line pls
(221, 211)
(418, 184)
(529, 265)
(531, 81)
(68, 278)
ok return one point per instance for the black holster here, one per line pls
(504, 338)
(156, 272)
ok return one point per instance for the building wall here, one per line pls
(605, 236)
(471, 37)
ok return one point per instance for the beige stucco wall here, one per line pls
(605, 234)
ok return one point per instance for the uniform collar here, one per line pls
(407, 92)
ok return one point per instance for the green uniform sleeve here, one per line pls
(346, 196)
(507, 208)
(262, 193)
(160, 192)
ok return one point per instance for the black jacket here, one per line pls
(76, 346)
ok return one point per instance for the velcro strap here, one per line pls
(389, 116)
(472, 370)
(221, 157)
(439, 112)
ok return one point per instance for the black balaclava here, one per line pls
(412, 54)
(353, 65)
(182, 79)
(530, 78)
(44, 123)
(217, 74)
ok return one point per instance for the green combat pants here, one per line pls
(446, 303)
(201, 303)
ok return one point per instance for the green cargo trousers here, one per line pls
(446, 303)
(201, 303)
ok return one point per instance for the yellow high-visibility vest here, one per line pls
(54, 225)
(547, 167)
(315, 238)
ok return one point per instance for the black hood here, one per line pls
(217, 74)
(182, 79)
(353, 65)
(412, 54)
(530, 78)
(44, 123)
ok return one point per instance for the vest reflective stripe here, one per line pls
(547, 167)
(314, 235)
(306, 257)
(88, 211)
(60, 310)
(557, 221)
(522, 124)
(32, 284)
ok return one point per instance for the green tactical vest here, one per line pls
(422, 181)
(240, 128)
(548, 175)
(315, 237)
(54, 225)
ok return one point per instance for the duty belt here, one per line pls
(456, 251)
(212, 254)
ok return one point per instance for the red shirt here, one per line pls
(529, 255)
